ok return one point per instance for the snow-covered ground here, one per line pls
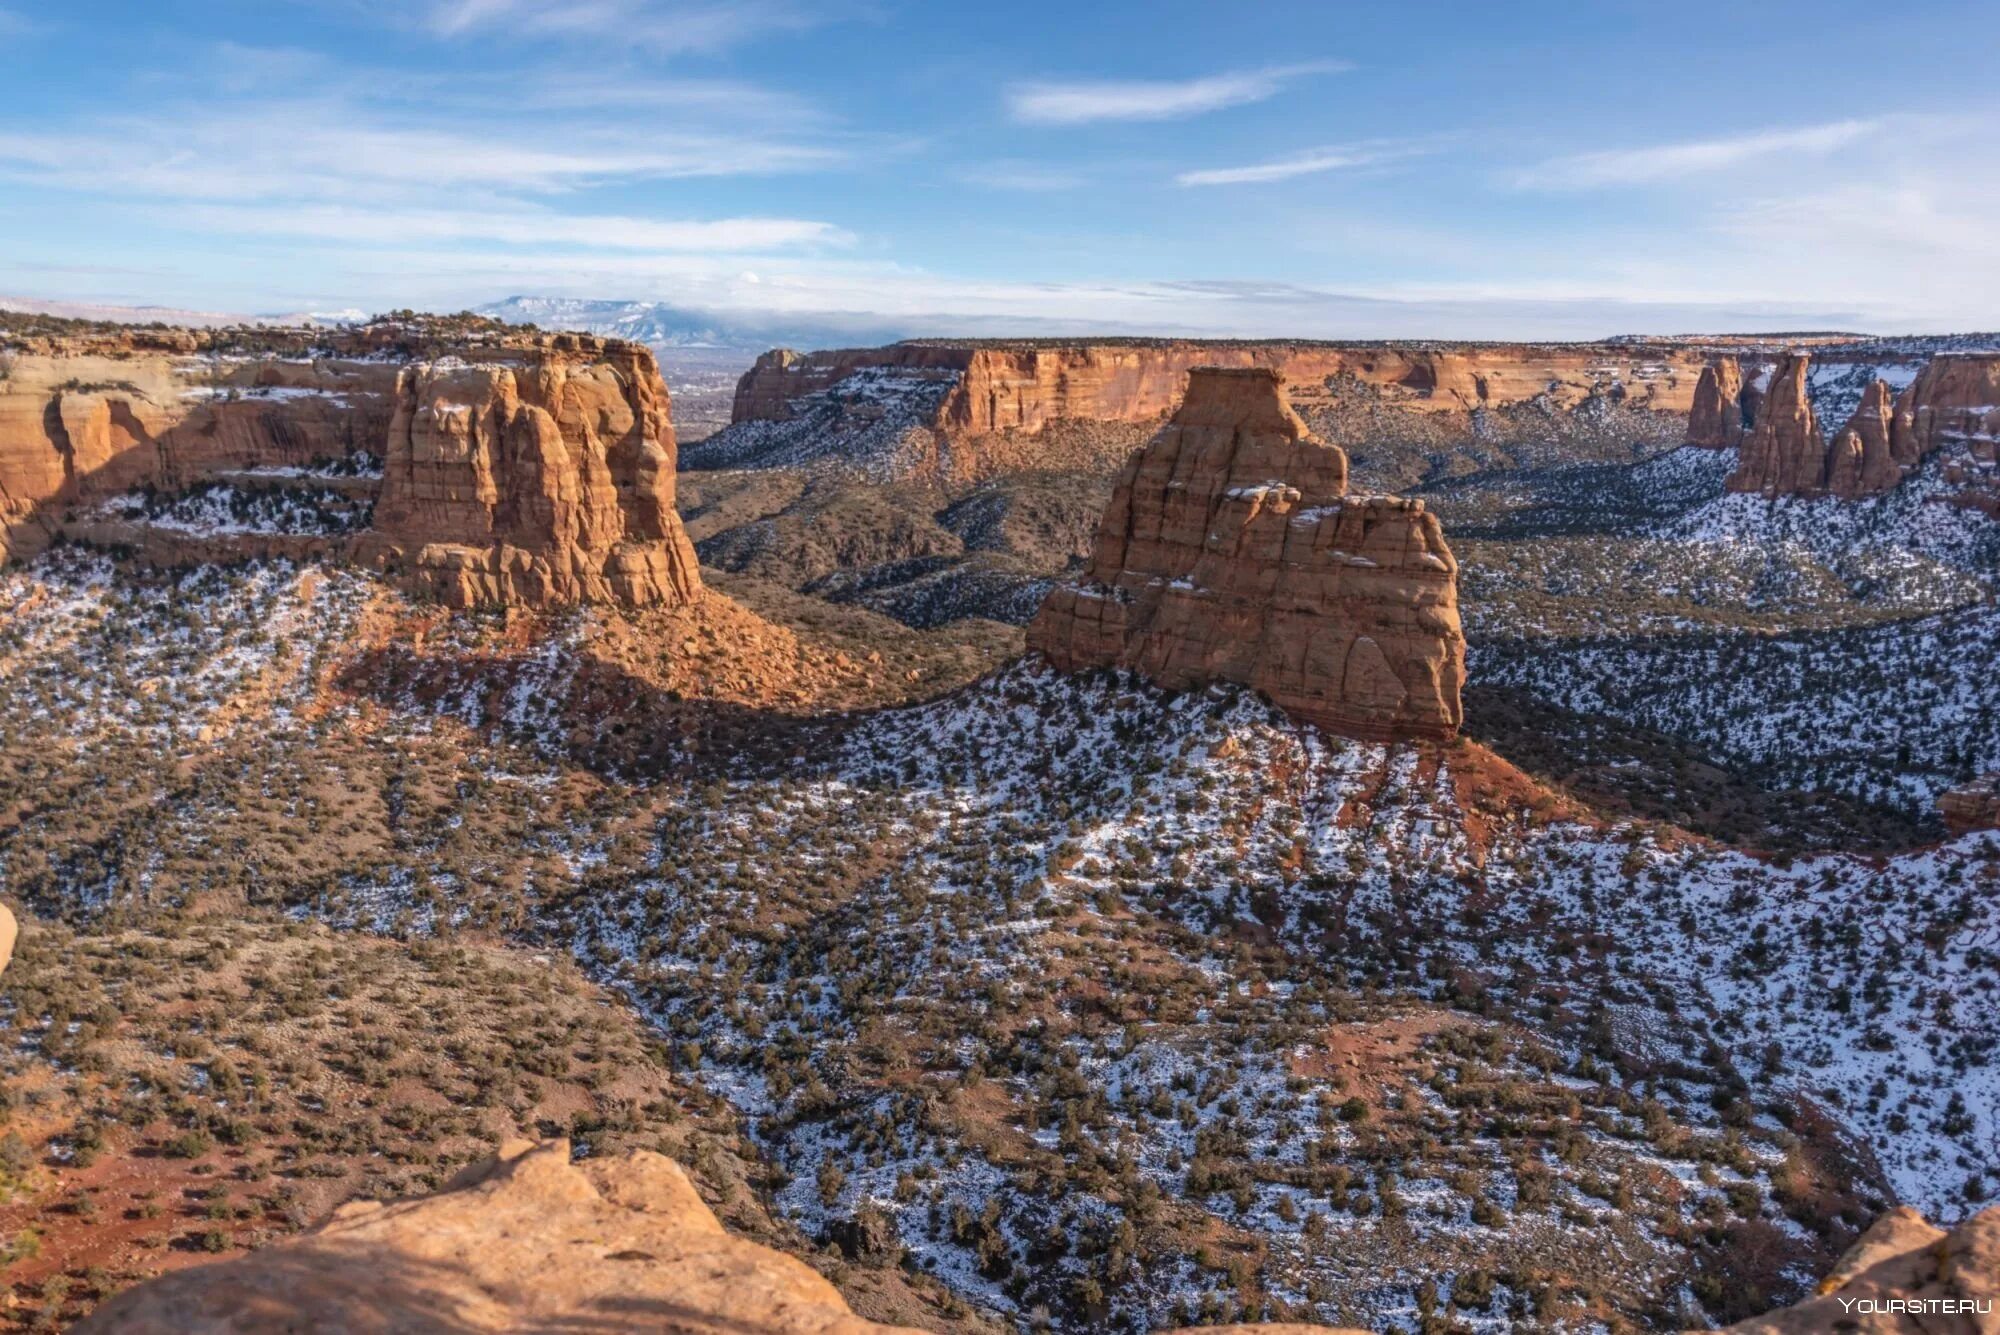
(875, 424)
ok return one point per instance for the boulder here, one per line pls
(1231, 551)
(528, 1241)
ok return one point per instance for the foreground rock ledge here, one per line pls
(532, 1242)
(1231, 551)
(526, 1242)
(1904, 1277)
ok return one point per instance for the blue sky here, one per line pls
(1456, 170)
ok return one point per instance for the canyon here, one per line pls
(1232, 551)
(1327, 922)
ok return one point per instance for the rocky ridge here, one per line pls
(1232, 551)
(516, 469)
(1972, 806)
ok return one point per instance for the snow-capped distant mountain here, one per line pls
(666, 326)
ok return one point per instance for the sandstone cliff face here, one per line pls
(1716, 419)
(1231, 551)
(527, 1242)
(80, 422)
(517, 470)
(1009, 398)
(1954, 405)
(537, 480)
(1861, 462)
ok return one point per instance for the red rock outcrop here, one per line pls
(1716, 419)
(526, 1242)
(527, 470)
(1861, 461)
(1903, 1277)
(1953, 406)
(85, 420)
(1231, 551)
(1784, 454)
(1972, 806)
(537, 479)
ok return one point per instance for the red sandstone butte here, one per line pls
(1231, 551)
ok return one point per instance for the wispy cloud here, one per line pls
(1669, 162)
(315, 151)
(659, 26)
(523, 227)
(1076, 103)
(1030, 177)
(1299, 164)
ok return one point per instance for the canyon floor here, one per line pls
(1008, 998)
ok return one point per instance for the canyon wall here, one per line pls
(1009, 402)
(1231, 551)
(86, 419)
(520, 470)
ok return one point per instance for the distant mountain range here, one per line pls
(667, 326)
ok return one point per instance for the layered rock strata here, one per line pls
(543, 480)
(517, 469)
(1954, 406)
(1972, 806)
(1007, 399)
(1231, 551)
(1784, 454)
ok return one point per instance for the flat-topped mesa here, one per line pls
(1716, 420)
(1231, 552)
(995, 406)
(546, 478)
